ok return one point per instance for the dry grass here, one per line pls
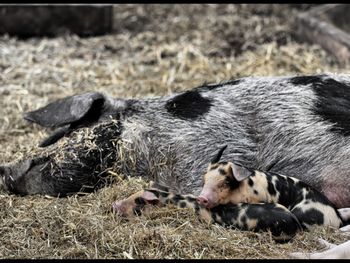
(155, 50)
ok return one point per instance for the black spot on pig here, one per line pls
(271, 188)
(140, 201)
(250, 182)
(191, 199)
(332, 101)
(183, 204)
(188, 105)
(315, 196)
(164, 194)
(305, 80)
(222, 171)
(334, 104)
(232, 182)
(290, 192)
(177, 198)
(310, 217)
(279, 222)
(244, 219)
(226, 212)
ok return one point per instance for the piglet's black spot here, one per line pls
(310, 217)
(271, 188)
(222, 171)
(164, 194)
(232, 183)
(177, 198)
(190, 199)
(250, 182)
(183, 204)
(188, 105)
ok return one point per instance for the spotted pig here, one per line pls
(249, 217)
(294, 125)
(228, 182)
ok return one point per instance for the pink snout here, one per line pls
(203, 201)
(118, 208)
(206, 200)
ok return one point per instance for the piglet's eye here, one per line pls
(225, 184)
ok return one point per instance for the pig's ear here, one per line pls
(217, 157)
(239, 172)
(85, 107)
(150, 197)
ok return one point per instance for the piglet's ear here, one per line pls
(217, 157)
(150, 197)
(239, 172)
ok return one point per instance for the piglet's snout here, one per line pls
(206, 198)
(202, 200)
(118, 208)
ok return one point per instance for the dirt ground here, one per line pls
(154, 50)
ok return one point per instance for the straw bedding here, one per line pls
(154, 50)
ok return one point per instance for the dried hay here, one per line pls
(156, 50)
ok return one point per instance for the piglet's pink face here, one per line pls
(135, 204)
(221, 183)
(216, 188)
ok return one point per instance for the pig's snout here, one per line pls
(208, 197)
(205, 201)
(118, 208)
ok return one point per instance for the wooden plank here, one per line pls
(316, 26)
(52, 20)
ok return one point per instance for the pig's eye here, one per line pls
(225, 184)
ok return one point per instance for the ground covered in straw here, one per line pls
(155, 50)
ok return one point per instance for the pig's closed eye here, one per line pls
(225, 184)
